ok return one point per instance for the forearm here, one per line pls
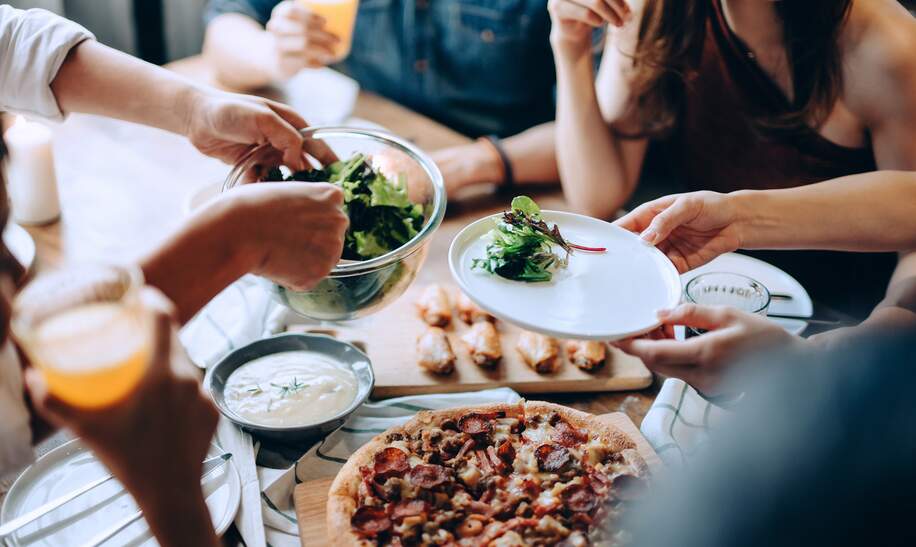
(590, 158)
(178, 517)
(96, 79)
(533, 155)
(199, 260)
(238, 66)
(867, 212)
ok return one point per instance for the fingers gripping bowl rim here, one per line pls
(357, 288)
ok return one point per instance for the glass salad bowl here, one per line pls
(358, 287)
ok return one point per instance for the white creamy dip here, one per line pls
(291, 388)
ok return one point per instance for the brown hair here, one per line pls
(671, 37)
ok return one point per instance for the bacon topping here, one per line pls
(475, 424)
(464, 449)
(480, 507)
(484, 462)
(542, 508)
(579, 498)
(370, 521)
(427, 475)
(567, 435)
(408, 508)
(497, 462)
(391, 462)
(506, 452)
(551, 458)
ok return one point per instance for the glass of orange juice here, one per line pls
(340, 18)
(87, 331)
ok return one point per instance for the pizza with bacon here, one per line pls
(503, 475)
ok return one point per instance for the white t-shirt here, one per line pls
(33, 46)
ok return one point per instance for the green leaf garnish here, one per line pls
(526, 205)
(523, 246)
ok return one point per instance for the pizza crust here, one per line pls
(344, 491)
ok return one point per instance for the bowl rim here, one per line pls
(239, 420)
(385, 137)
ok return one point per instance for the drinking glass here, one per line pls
(340, 18)
(85, 329)
(727, 289)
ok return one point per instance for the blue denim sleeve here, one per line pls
(259, 10)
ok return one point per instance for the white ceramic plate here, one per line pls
(20, 244)
(599, 296)
(202, 195)
(71, 466)
(774, 279)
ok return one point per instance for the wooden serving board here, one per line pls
(311, 497)
(390, 336)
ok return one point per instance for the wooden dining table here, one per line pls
(124, 187)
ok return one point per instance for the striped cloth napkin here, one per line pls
(679, 421)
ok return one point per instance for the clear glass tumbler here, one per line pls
(727, 289)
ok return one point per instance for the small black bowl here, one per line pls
(217, 375)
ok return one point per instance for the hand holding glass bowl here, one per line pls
(356, 288)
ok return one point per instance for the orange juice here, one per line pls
(340, 17)
(94, 354)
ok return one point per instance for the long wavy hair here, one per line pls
(671, 36)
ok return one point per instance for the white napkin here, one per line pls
(679, 422)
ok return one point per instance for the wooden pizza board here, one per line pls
(311, 497)
(390, 336)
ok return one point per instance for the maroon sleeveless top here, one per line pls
(720, 148)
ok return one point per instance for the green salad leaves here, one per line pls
(382, 217)
(524, 247)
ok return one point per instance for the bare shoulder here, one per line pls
(878, 61)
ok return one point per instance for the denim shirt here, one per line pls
(479, 66)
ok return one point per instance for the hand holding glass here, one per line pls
(727, 289)
(340, 18)
(87, 332)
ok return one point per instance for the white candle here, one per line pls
(30, 178)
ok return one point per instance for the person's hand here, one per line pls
(300, 39)
(574, 20)
(292, 232)
(467, 165)
(691, 229)
(702, 360)
(227, 125)
(155, 440)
